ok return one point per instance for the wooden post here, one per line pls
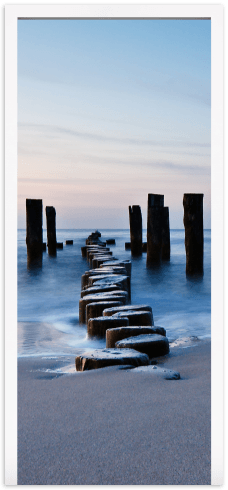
(154, 227)
(34, 230)
(165, 235)
(135, 218)
(51, 229)
(193, 223)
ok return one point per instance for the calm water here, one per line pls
(48, 296)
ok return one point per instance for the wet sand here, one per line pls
(115, 427)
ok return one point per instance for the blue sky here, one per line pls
(109, 111)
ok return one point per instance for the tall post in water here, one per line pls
(34, 229)
(135, 219)
(154, 227)
(165, 235)
(193, 223)
(51, 229)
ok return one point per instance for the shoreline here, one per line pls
(113, 426)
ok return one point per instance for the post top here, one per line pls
(33, 201)
(155, 200)
(193, 194)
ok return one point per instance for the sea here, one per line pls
(49, 293)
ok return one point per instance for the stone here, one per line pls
(59, 245)
(44, 247)
(194, 240)
(158, 372)
(144, 247)
(135, 219)
(69, 242)
(113, 335)
(97, 327)
(95, 309)
(127, 245)
(136, 318)
(152, 345)
(101, 358)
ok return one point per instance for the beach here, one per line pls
(115, 426)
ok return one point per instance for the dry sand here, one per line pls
(115, 427)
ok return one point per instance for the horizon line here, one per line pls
(109, 229)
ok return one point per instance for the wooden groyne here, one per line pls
(104, 306)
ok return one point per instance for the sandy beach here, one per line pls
(114, 426)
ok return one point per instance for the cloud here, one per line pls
(57, 130)
(182, 85)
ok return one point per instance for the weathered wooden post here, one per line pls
(135, 219)
(51, 229)
(193, 223)
(34, 230)
(165, 235)
(154, 227)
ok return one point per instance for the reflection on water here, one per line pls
(195, 278)
(34, 265)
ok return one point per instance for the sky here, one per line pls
(109, 111)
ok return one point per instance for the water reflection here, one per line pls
(154, 266)
(196, 278)
(34, 264)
